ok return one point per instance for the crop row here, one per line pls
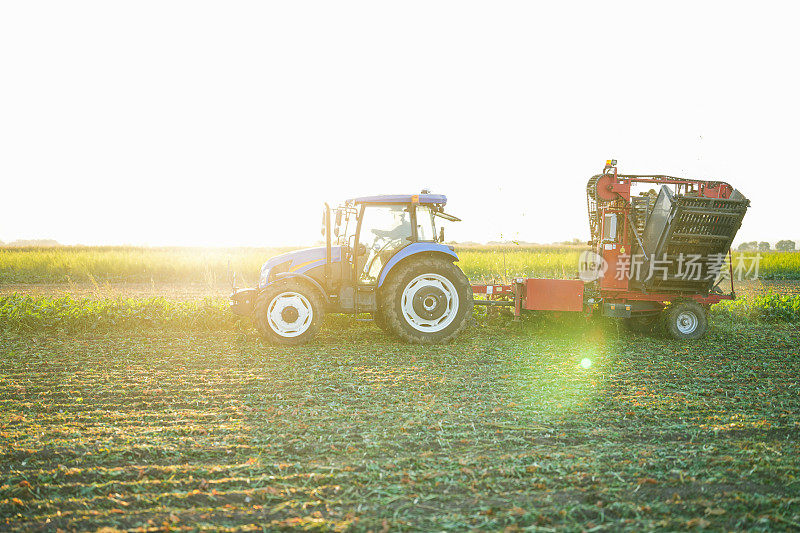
(19, 312)
(213, 266)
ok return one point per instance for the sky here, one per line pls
(230, 123)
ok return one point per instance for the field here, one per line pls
(212, 267)
(125, 410)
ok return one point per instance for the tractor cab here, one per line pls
(370, 230)
(384, 255)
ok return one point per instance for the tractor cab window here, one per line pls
(384, 230)
(426, 227)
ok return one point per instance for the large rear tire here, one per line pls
(288, 312)
(426, 301)
(685, 320)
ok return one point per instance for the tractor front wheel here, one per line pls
(426, 301)
(685, 320)
(288, 312)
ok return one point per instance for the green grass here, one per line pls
(501, 429)
(778, 265)
(771, 307)
(211, 265)
(67, 314)
(130, 264)
(505, 263)
(19, 312)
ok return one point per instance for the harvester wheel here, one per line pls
(686, 320)
(427, 301)
(288, 312)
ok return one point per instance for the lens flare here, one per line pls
(586, 362)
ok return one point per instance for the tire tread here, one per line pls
(265, 297)
(393, 290)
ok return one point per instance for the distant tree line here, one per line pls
(763, 246)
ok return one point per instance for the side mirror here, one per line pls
(337, 222)
(441, 234)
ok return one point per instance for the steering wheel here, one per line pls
(368, 267)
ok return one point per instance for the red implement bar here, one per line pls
(534, 295)
(554, 294)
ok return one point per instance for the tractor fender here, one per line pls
(309, 279)
(414, 249)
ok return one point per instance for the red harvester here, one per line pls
(658, 257)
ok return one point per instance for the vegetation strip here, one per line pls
(214, 266)
(20, 312)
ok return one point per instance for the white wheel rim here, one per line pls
(441, 286)
(284, 307)
(687, 322)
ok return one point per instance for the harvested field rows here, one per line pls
(502, 428)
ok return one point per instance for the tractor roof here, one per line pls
(401, 199)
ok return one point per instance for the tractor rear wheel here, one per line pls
(685, 320)
(426, 301)
(288, 312)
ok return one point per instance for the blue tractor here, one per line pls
(383, 256)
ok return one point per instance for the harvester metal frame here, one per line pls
(609, 193)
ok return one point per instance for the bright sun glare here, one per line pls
(233, 130)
